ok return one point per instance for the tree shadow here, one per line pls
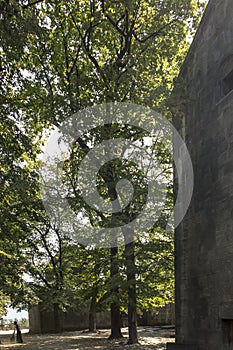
(77, 341)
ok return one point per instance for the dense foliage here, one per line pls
(58, 57)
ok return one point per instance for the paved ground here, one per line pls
(151, 338)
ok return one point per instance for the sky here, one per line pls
(12, 314)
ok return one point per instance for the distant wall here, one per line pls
(160, 316)
(78, 320)
(41, 321)
(34, 319)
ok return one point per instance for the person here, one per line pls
(19, 338)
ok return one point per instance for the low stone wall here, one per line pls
(41, 321)
(159, 317)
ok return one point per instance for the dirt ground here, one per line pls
(149, 337)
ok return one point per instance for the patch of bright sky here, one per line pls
(190, 36)
(13, 314)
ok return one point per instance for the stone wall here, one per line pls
(159, 317)
(42, 321)
(34, 320)
(204, 240)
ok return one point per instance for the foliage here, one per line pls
(57, 58)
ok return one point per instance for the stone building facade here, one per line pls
(204, 240)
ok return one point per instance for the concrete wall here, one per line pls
(162, 316)
(204, 240)
(158, 317)
(41, 321)
(34, 320)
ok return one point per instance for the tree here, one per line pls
(90, 279)
(16, 148)
(45, 267)
(78, 54)
(15, 188)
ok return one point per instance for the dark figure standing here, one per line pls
(19, 338)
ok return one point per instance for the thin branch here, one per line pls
(75, 59)
(32, 4)
(42, 235)
(115, 25)
(46, 75)
(154, 34)
(86, 43)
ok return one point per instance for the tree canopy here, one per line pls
(58, 57)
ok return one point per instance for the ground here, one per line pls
(150, 338)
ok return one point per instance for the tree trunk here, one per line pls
(115, 322)
(92, 315)
(115, 305)
(57, 324)
(132, 294)
(109, 179)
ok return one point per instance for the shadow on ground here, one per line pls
(151, 338)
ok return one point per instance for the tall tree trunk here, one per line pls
(132, 294)
(57, 323)
(115, 305)
(92, 315)
(109, 179)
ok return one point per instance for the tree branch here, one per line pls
(86, 43)
(154, 34)
(32, 4)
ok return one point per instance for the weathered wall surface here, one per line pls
(204, 240)
(41, 321)
(159, 317)
(34, 320)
